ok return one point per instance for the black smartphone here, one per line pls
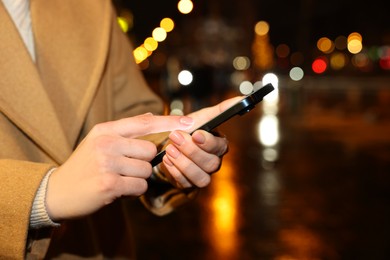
(240, 108)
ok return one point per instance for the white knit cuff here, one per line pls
(39, 217)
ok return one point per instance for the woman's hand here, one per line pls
(109, 163)
(190, 160)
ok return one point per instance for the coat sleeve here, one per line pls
(19, 183)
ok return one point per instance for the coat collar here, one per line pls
(49, 100)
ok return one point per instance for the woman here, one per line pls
(76, 135)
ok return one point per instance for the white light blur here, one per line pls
(241, 63)
(270, 101)
(177, 107)
(270, 154)
(185, 6)
(159, 34)
(237, 77)
(270, 186)
(296, 73)
(246, 87)
(268, 130)
(185, 77)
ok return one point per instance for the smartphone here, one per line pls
(240, 108)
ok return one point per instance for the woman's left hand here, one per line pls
(191, 159)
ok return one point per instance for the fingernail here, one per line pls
(185, 120)
(147, 114)
(176, 137)
(167, 161)
(199, 138)
(172, 151)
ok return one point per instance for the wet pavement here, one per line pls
(310, 180)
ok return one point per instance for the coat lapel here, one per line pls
(71, 47)
(49, 100)
(23, 98)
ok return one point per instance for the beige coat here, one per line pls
(84, 74)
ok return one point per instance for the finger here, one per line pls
(208, 162)
(186, 167)
(206, 114)
(121, 146)
(133, 168)
(138, 149)
(132, 186)
(175, 175)
(210, 143)
(144, 124)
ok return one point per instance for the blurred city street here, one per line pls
(320, 190)
(307, 175)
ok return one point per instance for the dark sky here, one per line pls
(296, 22)
(327, 18)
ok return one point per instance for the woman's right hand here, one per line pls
(109, 163)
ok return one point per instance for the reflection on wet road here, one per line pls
(309, 180)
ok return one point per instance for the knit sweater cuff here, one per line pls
(39, 217)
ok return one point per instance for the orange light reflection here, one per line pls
(223, 230)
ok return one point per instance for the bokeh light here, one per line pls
(241, 63)
(319, 65)
(150, 44)
(185, 6)
(325, 45)
(296, 73)
(246, 87)
(185, 77)
(167, 24)
(261, 28)
(140, 53)
(338, 60)
(355, 43)
(159, 34)
(268, 130)
(361, 60)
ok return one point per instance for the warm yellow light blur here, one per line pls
(123, 24)
(338, 61)
(355, 43)
(185, 6)
(224, 207)
(140, 54)
(262, 28)
(150, 44)
(355, 46)
(325, 45)
(355, 36)
(167, 24)
(159, 34)
(125, 20)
